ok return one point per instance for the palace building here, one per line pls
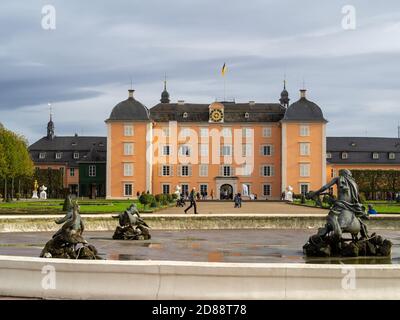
(220, 148)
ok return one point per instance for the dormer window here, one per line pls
(329, 155)
(247, 115)
(42, 155)
(375, 155)
(58, 155)
(76, 155)
(185, 115)
(392, 155)
(345, 155)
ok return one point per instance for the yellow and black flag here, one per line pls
(223, 70)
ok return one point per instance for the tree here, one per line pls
(15, 161)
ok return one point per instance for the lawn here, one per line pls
(55, 206)
(379, 206)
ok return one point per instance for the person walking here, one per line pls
(192, 199)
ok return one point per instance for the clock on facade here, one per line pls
(216, 115)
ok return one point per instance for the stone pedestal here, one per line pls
(34, 195)
(43, 195)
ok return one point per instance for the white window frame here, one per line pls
(124, 188)
(247, 150)
(375, 155)
(392, 155)
(226, 150)
(247, 132)
(267, 132)
(166, 185)
(267, 172)
(72, 172)
(58, 155)
(128, 169)
(183, 172)
(266, 194)
(188, 150)
(166, 170)
(164, 149)
(42, 155)
(304, 130)
(227, 171)
(76, 155)
(307, 185)
(129, 149)
(305, 170)
(204, 147)
(129, 130)
(344, 155)
(265, 147)
(203, 170)
(226, 132)
(305, 148)
(329, 155)
(92, 170)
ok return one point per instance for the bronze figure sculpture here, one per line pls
(346, 215)
(131, 225)
(68, 242)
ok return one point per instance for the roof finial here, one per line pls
(165, 81)
(284, 81)
(165, 94)
(51, 111)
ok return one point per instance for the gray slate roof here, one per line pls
(233, 112)
(304, 110)
(91, 149)
(360, 149)
(130, 110)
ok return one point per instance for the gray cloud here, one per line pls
(84, 66)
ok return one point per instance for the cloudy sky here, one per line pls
(84, 65)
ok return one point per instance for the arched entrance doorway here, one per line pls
(226, 192)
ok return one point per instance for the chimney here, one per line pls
(181, 102)
(303, 93)
(252, 102)
(130, 95)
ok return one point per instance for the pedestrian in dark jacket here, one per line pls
(192, 199)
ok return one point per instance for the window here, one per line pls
(332, 173)
(392, 156)
(247, 150)
(329, 155)
(375, 155)
(42, 155)
(304, 188)
(128, 130)
(128, 169)
(246, 169)
(203, 170)
(92, 171)
(266, 150)
(185, 132)
(166, 170)
(185, 189)
(267, 171)
(128, 189)
(304, 130)
(185, 115)
(72, 172)
(267, 132)
(226, 132)
(203, 189)
(166, 150)
(203, 150)
(304, 169)
(247, 115)
(184, 171)
(226, 150)
(266, 190)
(345, 155)
(185, 150)
(226, 171)
(58, 155)
(247, 132)
(304, 149)
(76, 155)
(204, 132)
(165, 131)
(128, 149)
(165, 189)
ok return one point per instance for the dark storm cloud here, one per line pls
(85, 65)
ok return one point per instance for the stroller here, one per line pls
(181, 201)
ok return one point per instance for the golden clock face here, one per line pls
(216, 115)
